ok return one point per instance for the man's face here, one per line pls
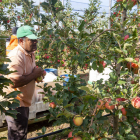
(30, 45)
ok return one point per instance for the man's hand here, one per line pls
(38, 71)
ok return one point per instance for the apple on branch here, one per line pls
(136, 102)
(77, 120)
(108, 106)
(52, 105)
(101, 104)
(124, 112)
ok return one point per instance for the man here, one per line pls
(23, 61)
(13, 40)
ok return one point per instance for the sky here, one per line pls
(82, 4)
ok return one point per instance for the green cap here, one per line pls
(26, 31)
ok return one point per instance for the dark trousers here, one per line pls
(17, 128)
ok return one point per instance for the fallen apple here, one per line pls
(78, 120)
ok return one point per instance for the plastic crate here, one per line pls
(55, 71)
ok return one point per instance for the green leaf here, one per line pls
(68, 105)
(126, 45)
(68, 114)
(127, 127)
(4, 103)
(12, 111)
(119, 137)
(131, 137)
(94, 65)
(54, 2)
(93, 126)
(3, 138)
(123, 73)
(81, 27)
(12, 94)
(121, 82)
(85, 89)
(14, 105)
(43, 130)
(120, 60)
(50, 31)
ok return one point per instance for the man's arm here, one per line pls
(25, 79)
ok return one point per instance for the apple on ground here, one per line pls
(77, 120)
(52, 105)
(108, 106)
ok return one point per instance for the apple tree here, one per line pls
(83, 106)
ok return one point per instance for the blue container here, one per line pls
(55, 71)
(66, 78)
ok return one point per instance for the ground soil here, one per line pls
(35, 128)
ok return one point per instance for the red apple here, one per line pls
(52, 105)
(134, 2)
(136, 102)
(0, 0)
(8, 21)
(77, 138)
(44, 73)
(120, 99)
(63, 65)
(124, 112)
(135, 66)
(135, 71)
(78, 120)
(108, 106)
(58, 61)
(39, 79)
(133, 82)
(70, 135)
(100, 104)
(103, 63)
(126, 37)
(18, 17)
(119, 0)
